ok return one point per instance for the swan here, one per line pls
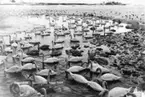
(29, 66)
(74, 40)
(38, 79)
(34, 42)
(88, 37)
(24, 90)
(76, 69)
(94, 66)
(139, 90)
(27, 37)
(38, 33)
(74, 60)
(46, 73)
(45, 34)
(48, 30)
(109, 77)
(57, 47)
(26, 46)
(59, 34)
(120, 92)
(78, 78)
(50, 61)
(139, 94)
(44, 47)
(34, 52)
(12, 69)
(78, 34)
(97, 87)
(38, 82)
(75, 51)
(20, 53)
(67, 33)
(28, 60)
(59, 41)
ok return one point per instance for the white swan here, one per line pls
(119, 91)
(39, 79)
(75, 69)
(47, 73)
(51, 60)
(109, 77)
(12, 69)
(75, 59)
(28, 59)
(20, 54)
(29, 66)
(97, 87)
(94, 66)
(23, 90)
(79, 78)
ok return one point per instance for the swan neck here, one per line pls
(33, 77)
(104, 85)
(43, 61)
(100, 74)
(21, 57)
(48, 77)
(36, 67)
(38, 47)
(5, 67)
(45, 93)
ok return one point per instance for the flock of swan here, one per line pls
(27, 52)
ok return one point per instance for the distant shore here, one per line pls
(108, 3)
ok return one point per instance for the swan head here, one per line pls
(99, 71)
(15, 88)
(31, 77)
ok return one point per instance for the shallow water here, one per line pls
(20, 18)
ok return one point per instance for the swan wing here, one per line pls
(13, 69)
(95, 86)
(79, 78)
(40, 80)
(75, 69)
(110, 77)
